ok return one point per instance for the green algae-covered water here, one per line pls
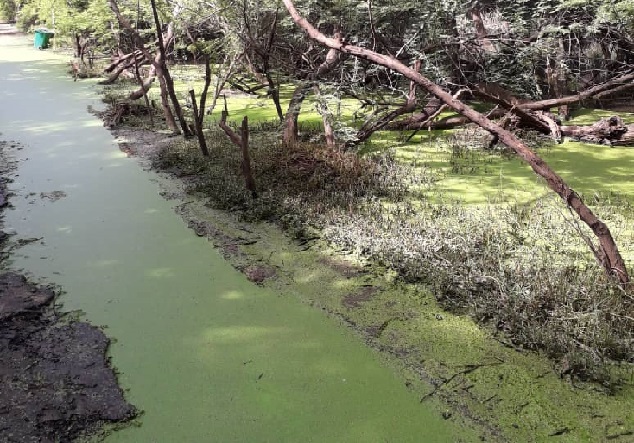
(208, 356)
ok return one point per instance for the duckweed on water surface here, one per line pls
(484, 237)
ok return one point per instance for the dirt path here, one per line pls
(55, 380)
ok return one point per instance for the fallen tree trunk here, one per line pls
(126, 59)
(607, 255)
(420, 120)
(608, 131)
(450, 122)
(620, 83)
(538, 120)
(143, 89)
(497, 94)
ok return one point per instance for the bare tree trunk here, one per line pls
(199, 113)
(290, 131)
(158, 63)
(169, 83)
(144, 90)
(170, 121)
(608, 254)
(274, 92)
(264, 53)
(221, 79)
(198, 125)
(329, 132)
(241, 141)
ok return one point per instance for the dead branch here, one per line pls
(608, 131)
(620, 84)
(142, 91)
(241, 141)
(368, 128)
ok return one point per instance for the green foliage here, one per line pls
(8, 9)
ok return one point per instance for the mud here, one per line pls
(55, 381)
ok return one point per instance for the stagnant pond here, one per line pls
(208, 356)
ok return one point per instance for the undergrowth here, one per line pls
(521, 268)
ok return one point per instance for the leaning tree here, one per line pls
(607, 253)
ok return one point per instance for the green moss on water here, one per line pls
(448, 357)
(207, 355)
(447, 360)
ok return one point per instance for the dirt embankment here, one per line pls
(55, 381)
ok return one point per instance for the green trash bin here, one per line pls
(41, 39)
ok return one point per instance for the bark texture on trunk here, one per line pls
(290, 131)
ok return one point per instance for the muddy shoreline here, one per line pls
(56, 383)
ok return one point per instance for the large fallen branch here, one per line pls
(422, 120)
(608, 254)
(608, 131)
(620, 83)
(536, 119)
(143, 89)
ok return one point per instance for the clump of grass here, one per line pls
(520, 268)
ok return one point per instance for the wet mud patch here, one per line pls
(56, 384)
(348, 270)
(259, 273)
(357, 298)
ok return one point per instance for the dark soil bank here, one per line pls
(55, 382)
